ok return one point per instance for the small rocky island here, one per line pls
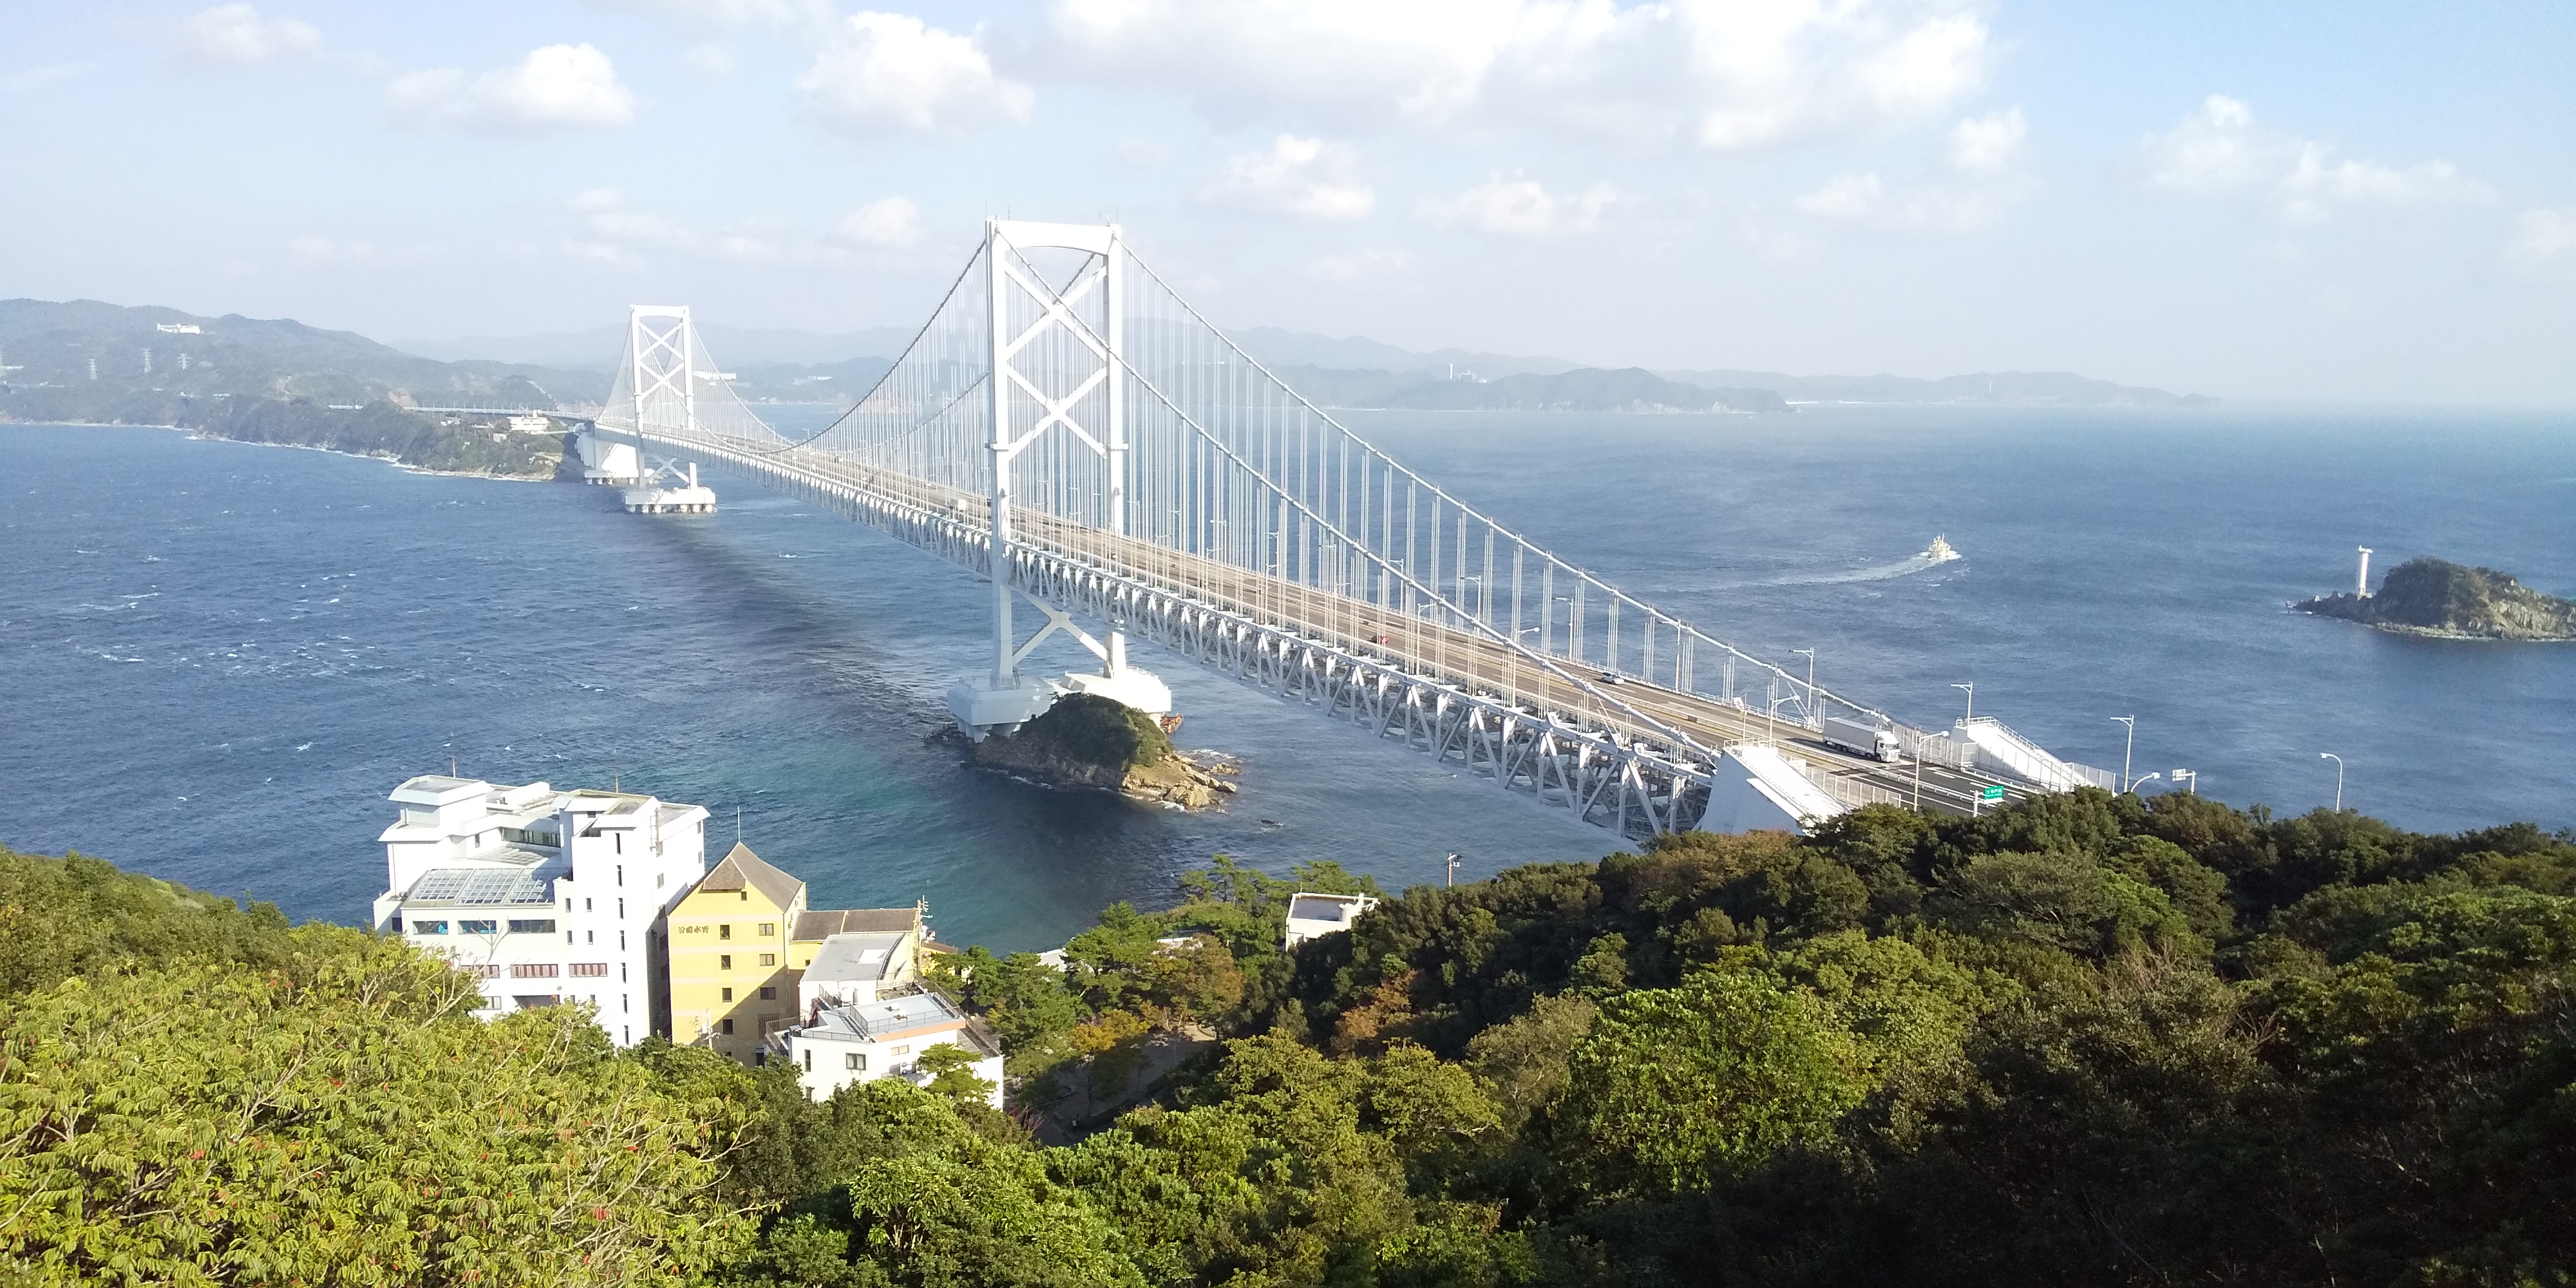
(1089, 741)
(2443, 600)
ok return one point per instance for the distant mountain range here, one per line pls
(1582, 389)
(600, 346)
(87, 360)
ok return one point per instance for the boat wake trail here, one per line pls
(1906, 567)
(1933, 556)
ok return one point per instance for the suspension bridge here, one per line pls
(1068, 427)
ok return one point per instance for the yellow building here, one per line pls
(740, 942)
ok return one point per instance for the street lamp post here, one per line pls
(2338, 760)
(2143, 780)
(1810, 703)
(1453, 867)
(1972, 697)
(2127, 750)
(1771, 719)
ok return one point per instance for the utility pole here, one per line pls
(2127, 751)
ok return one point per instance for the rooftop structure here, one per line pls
(854, 968)
(549, 896)
(842, 1045)
(742, 941)
(1313, 915)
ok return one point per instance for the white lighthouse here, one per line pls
(2361, 579)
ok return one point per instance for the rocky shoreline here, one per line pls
(2435, 599)
(1091, 742)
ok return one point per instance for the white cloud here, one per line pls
(1982, 181)
(2221, 148)
(1360, 266)
(614, 232)
(1521, 207)
(1990, 144)
(1308, 178)
(732, 14)
(327, 250)
(881, 74)
(235, 33)
(2545, 237)
(888, 224)
(1144, 154)
(709, 62)
(1720, 74)
(29, 80)
(610, 229)
(556, 87)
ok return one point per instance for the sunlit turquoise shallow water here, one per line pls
(215, 658)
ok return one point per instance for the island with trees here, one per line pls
(2443, 600)
(1086, 740)
(2086, 1039)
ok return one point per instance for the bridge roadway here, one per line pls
(1468, 659)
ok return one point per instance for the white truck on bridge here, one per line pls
(1862, 739)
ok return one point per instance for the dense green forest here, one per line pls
(2084, 1040)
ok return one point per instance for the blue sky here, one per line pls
(2292, 200)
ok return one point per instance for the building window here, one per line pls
(809, 1059)
(768, 928)
(532, 926)
(482, 972)
(585, 905)
(534, 970)
(903, 1050)
(727, 1027)
(617, 842)
(397, 925)
(427, 927)
(724, 932)
(856, 1061)
(728, 995)
(478, 927)
(769, 959)
(590, 970)
(768, 994)
(725, 962)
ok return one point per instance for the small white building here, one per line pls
(841, 1045)
(1312, 916)
(551, 897)
(855, 968)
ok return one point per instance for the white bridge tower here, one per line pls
(1058, 368)
(662, 376)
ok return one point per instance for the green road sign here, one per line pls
(1994, 793)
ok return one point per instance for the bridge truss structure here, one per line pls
(1067, 425)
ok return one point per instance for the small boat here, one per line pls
(1939, 552)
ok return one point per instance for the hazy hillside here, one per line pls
(87, 360)
(2063, 388)
(1585, 389)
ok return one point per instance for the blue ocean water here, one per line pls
(216, 658)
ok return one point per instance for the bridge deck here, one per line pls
(1695, 726)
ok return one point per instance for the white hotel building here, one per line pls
(551, 897)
